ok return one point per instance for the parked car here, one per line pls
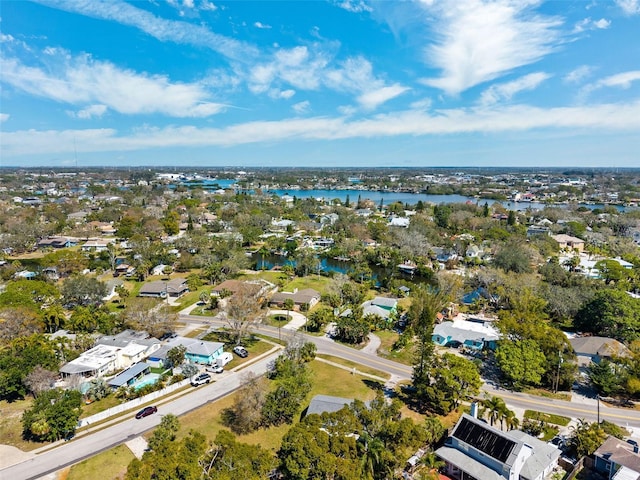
(215, 368)
(224, 358)
(240, 351)
(200, 379)
(146, 411)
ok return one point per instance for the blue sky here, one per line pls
(320, 83)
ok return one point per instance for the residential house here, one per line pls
(327, 404)
(595, 349)
(96, 245)
(535, 230)
(617, 460)
(130, 376)
(402, 222)
(302, 299)
(569, 242)
(57, 242)
(257, 288)
(476, 450)
(198, 351)
(473, 251)
(161, 288)
(384, 307)
(464, 333)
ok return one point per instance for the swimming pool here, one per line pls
(148, 379)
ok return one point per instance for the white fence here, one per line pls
(98, 417)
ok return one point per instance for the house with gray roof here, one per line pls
(160, 288)
(198, 351)
(303, 299)
(617, 460)
(130, 375)
(383, 307)
(476, 450)
(327, 403)
(595, 349)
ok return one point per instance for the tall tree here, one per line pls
(521, 361)
(243, 310)
(422, 315)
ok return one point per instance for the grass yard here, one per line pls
(547, 417)
(328, 380)
(108, 465)
(11, 425)
(316, 282)
(100, 406)
(547, 394)
(387, 339)
(357, 366)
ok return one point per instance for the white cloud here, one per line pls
(614, 117)
(374, 98)
(301, 107)
(82, 80)
(354, 6)
(588, 24)
(579, 74)
(261, 25)
(159, 28)
(281, 94)
(505, 91)
(629, 7)
(478, 40)
(620, 80)
(91, 111)
(424, 104)
(4, 117)
(208, 6)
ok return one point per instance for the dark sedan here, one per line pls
(146, 411)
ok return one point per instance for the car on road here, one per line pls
(146, 411)
(240, 351)
(215, 368)
(200, 379)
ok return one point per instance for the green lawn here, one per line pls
(547, 417)
(357, 366)
(316, 282)
(387, 339)
(11, 425)
(327, 379)
(108, 465)
(99, 406)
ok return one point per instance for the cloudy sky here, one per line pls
(320, 83)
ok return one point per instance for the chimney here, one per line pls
(474, 410)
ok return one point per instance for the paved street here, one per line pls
(90, 444)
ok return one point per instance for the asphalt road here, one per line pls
(584, 408)
(90, 444)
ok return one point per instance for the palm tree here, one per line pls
(511, 420)
(373, 450)
(431, 465)
(494, 407)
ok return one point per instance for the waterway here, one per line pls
(390, 197)
(327, 265)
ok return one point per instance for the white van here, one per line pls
(223, 359)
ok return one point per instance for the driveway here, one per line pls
(297, 321)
